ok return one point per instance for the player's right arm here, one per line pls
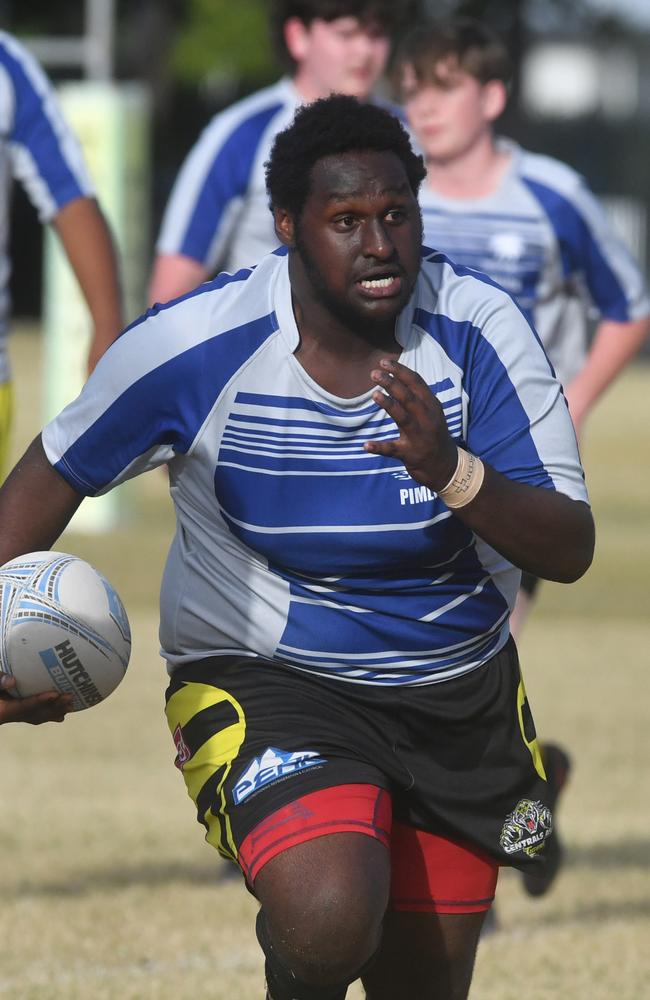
(49, 706)
(36, 504)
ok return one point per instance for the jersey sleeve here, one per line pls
(45, 155)
(518, 419)
(592, 253)
(209, 192)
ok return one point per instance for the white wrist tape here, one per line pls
(465, 482)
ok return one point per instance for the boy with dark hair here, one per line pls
(530, 223)
(217, 216)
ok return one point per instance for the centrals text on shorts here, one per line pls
(273, 765)
(76, 672)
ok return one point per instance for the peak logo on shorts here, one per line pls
(271, 766)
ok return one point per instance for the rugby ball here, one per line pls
(62, 628)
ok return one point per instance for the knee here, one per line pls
(330, 934)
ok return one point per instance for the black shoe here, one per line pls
(557, 766)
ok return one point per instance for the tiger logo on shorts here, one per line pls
(526, 828)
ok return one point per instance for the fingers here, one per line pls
(49, 706)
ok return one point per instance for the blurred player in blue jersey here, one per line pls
(217, 217)
(39, 150)
(526, 220)
(363, 442)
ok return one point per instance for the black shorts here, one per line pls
(458, 759)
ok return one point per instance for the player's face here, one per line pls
(343, 56)
(452, 113)
(358, 240)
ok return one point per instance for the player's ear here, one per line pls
(495, 96)
(284, 226)
(296, 39)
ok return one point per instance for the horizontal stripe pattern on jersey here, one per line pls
(293, 543)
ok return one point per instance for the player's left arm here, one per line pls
(88, 244)
(615, 344)
(543, 531)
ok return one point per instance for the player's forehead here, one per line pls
(446, 70)
(349, 24)
(360, 174)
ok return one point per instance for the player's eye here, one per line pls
(396, 215)
(345, 221)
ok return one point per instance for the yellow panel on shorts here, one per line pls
(533, 745)
(218, 751)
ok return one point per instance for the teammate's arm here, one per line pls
(614, 346)
(175, 274)
(540, 530)
(88, 244)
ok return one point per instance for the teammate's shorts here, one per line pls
(448, 776)
(529, 583)
(6, 413)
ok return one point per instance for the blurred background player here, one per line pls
(217, 217)
(530, 223)
(39, 150)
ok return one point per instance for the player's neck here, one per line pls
(476, 173)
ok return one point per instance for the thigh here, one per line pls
(424, 956)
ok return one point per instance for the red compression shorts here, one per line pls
(430, 874)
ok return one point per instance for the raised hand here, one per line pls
(424, 445)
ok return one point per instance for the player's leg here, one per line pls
(323, 902)
(424, 956)
(556, 760)
(269, 757)
(441, 890)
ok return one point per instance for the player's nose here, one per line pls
(377, 240)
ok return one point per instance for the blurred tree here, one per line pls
(225, 39)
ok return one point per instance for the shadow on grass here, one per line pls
(154, 875)
(599, 857)
(633, 853)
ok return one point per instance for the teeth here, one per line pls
(376, 282)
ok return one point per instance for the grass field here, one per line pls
(108, 890)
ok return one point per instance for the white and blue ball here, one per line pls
(62, 628)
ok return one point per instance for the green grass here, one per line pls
(109, 891)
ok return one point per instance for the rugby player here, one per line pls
(364, 444)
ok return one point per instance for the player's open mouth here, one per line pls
(381, 287)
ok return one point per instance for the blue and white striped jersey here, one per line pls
(38, 149)
(218, 212)
(292, 542)
(544, 237)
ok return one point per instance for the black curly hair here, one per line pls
(332, 125)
